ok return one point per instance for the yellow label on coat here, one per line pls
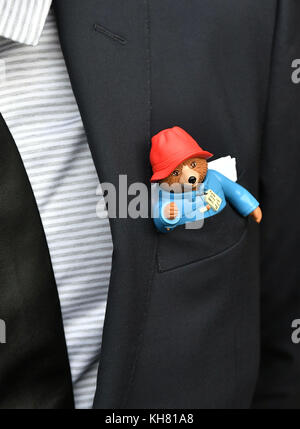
(213, 200)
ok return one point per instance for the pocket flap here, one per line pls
(184, 246)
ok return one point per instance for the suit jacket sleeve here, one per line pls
(279, 379)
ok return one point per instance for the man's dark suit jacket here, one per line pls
(195, 318)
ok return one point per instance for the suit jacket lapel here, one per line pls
(29, 302)
(108, 62)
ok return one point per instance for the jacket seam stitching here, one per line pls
(140, 340)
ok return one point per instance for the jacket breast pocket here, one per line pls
(183, 246)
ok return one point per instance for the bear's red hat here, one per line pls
(170, 148)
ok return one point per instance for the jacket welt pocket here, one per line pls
(184, 246)
(109, 34)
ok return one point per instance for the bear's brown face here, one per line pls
(190, 172)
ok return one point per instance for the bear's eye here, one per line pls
(193, 164)
(175, 173)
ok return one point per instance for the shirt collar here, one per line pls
(23, 20)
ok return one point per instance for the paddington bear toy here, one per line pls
(188, 190)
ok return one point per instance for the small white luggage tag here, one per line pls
(213, 200)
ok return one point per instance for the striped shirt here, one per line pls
(38, 105)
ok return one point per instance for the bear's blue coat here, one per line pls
(190, 203)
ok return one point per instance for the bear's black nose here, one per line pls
(192, 179)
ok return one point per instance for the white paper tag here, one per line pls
(213, 200)
(225, 165)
